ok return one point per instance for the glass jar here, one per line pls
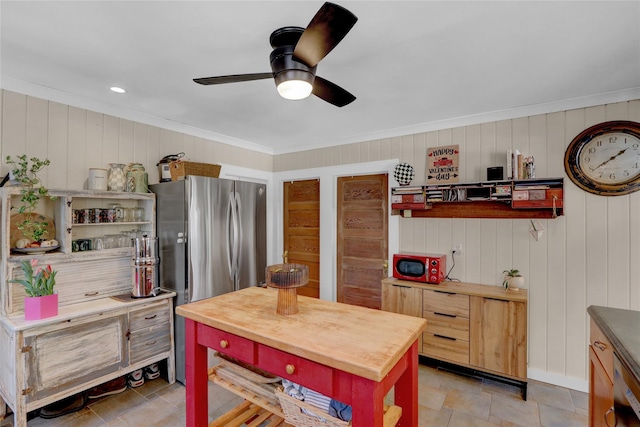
(138, 214)
(118, 212)
(137, 178)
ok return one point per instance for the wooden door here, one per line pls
(362, 239)
(302, 230)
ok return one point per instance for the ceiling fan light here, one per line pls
(294, 84)
(294, 89)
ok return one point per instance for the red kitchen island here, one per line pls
(353, 354)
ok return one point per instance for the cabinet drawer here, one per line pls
(149, 342)
(148, 317)
(447, 325)
(445, 302)
(444, 348)
(602, 348)
(224, 342)
(297, 369)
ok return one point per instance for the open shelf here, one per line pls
(532, 198)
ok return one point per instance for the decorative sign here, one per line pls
(442, 164)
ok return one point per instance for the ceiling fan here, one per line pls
(295, 56)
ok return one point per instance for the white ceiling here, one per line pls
(413, 66)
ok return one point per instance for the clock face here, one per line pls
(605, 159)
(612, 158)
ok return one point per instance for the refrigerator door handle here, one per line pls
(231, 226)
(239, 239)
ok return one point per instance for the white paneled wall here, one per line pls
(76, 139)
(589, 256)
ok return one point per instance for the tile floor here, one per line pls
(445, 399)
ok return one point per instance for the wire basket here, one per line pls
(292, 409)
(179, 169)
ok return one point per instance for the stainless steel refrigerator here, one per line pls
(212, 240)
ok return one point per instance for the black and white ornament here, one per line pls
(403, 173)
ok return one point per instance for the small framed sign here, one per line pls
(443, 164)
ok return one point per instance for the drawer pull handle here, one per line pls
(606, 417)
(91, 294)
(446, 338)
(151, 342)
(444, 292)
(151, 317)
(444, 314)
(224, 343)
(290, 369)
(600, 345)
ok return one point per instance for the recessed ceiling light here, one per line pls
(117, 89)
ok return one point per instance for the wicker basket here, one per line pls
(179, 169)
(292, 409)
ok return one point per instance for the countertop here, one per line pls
(622, 328)
(357, 340)
(73, 311)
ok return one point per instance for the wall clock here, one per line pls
(605, 159)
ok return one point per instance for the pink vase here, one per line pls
(40, 307)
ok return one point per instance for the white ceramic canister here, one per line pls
(98, 178)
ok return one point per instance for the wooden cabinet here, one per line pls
(61, 356)
(149, 333)
(531, 198)
(477, 327)
(600, 379)
(82, 276)
(96, 336)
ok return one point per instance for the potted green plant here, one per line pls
(41, 301)
(25, 172)
(512, 279)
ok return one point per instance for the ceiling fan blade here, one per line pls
(330, 24)
(232, 78)
(331, 92)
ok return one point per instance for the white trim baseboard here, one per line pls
(559, 380)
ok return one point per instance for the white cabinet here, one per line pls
(82, 276)
(61, 356)
(95, 337)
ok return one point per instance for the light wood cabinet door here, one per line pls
(498, 331)
(600, 394)
(66, 357)
(404, 300)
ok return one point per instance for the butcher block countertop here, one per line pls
(357, 340)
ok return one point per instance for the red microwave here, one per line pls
(426, 268)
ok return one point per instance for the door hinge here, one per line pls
(26, 349)
(27, 391)
(128, 334)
